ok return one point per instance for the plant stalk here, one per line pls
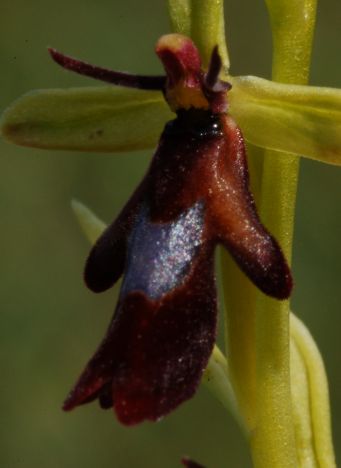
(273, 441)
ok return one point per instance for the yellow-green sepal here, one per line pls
(304, 120)
(101, 119)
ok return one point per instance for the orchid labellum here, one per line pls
(194, 196)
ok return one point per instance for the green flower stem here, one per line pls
(208, 29)
(292, 24)
(180, 16)
(203, 21)
(273, 441)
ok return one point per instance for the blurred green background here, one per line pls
(50, 323)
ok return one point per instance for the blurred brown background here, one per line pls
(50, 323)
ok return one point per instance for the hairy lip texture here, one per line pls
(194, 196)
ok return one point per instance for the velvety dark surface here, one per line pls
(195, 194)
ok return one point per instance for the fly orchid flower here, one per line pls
(282, 407)
(194, 196)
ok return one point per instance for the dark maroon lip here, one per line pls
(194, 196)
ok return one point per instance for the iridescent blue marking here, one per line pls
(160, 254)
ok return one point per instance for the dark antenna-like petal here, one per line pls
(110, 76)
(212, 81)
(214, 68)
